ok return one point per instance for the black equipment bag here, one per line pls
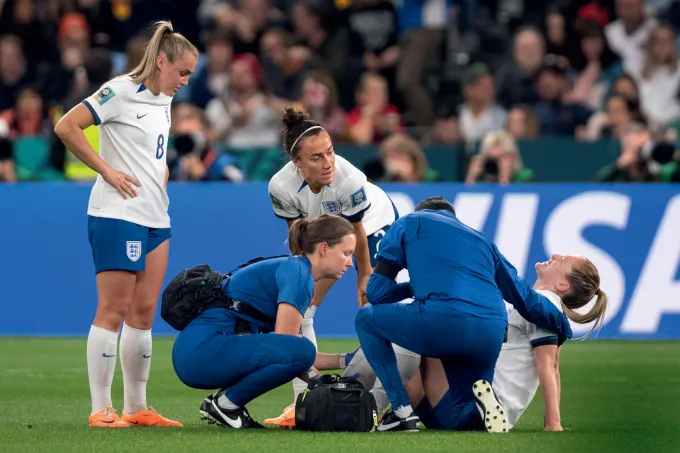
(191, 292)
(194, 290)
(333, 403)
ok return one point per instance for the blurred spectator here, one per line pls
(19, 18)
(28, 117)
(423, 24)
(328, 43)
(243, 118)
(14, 71)
(374, 118)
(96, 70)
(597, 67)
(446, 128)
(248, 20)
(558, 36)
(558, 115)
(620, 113)
(193, 157)
(320, 99)
(626, 86)
(642, 159)
(479, 113)
(402, 160)
(498, 161)
(213, 80)
(659, 79)
(629, 33)
(134, 52)
(521, 123)
(516, 79)
(374, 39)
(7, 169)
(74, 42)
(284, 66)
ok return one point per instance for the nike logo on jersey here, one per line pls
(108, 355)
(142, 116)
(146, 356)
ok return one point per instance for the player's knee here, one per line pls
(364, 317)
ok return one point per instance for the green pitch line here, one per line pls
(616, 397)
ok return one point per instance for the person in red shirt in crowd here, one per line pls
(374, 118)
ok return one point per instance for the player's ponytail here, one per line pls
(305, 234)
(166, 40)
(584, 281)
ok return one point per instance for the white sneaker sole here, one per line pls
(495, 415)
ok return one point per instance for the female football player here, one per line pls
(128, 222)
(221, 349)
(317, 181)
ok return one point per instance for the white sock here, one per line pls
(404, 411)
(381, 400)
(135, 358)
(101, 364)
(225, 403)
(299, 385)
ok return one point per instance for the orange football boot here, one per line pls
(106, 417)
(149, 417)
(285, 420)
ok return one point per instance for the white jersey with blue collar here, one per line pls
(515, 376)
(134, 125)
(349, 195)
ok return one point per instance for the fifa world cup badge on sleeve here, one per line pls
(276, 202)
(104, 95)
(134, 250)
(358, 197)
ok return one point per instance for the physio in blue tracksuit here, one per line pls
(253, 346)
(458, 280)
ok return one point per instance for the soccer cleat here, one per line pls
(237, 419)
(149, 417)
(204, 408)
(392, 422)
(285, 420)
(494, 414)
(106, 417)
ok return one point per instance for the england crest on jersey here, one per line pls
(331, 207)
(134, 250)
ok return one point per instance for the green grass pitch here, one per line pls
(616, 397)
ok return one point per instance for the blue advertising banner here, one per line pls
(630, 232)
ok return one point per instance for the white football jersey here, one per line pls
(349, 195)
(134, 125)
(515, 378)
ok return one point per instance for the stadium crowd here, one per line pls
(484, 74)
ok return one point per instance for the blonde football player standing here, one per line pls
(317, 181)
(128, 222)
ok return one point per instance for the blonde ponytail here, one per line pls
(164, 39)
(585, 284)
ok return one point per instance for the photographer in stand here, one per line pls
(498, 161)
(643, 159)
(193, 157)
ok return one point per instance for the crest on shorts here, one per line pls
(331, 207)
(134, 250)
(104, 95)
(358, 197)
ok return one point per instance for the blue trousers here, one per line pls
(246, 365)
(467, 346)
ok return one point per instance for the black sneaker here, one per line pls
(494, 414)
(237, 418)
(204, 408)
(392, 422)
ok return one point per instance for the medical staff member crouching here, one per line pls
(251, 345)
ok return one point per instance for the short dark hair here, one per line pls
(436, 204)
